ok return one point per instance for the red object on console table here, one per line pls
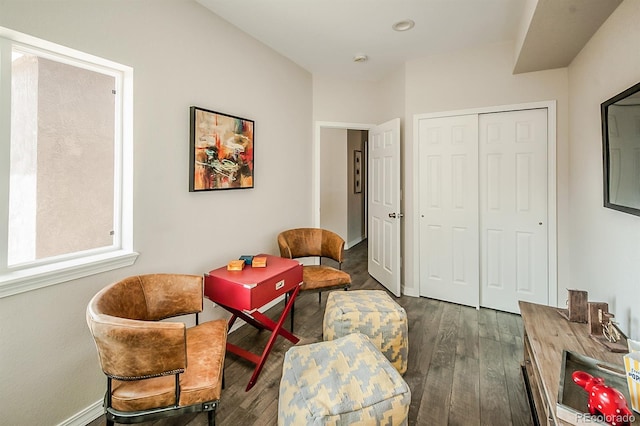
(603, 399)
(243, 292)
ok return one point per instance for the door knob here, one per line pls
(394, 215)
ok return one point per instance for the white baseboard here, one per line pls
(85, 416)
(352, 243)
(410, 291)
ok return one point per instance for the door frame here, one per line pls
(315, 178)
(552, 232)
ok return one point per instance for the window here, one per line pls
(65, 153)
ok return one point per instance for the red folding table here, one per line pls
(243, 292)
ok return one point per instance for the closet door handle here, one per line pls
(394, 215)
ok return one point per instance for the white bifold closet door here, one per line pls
(483, 208)
(449, 268)
(513, 209)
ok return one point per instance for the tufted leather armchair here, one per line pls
(316, 242)
(154, 368)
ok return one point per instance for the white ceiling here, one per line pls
(323, 36)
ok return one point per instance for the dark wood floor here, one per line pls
(464, 363)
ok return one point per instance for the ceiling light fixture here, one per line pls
(360, 58)
(404, 25)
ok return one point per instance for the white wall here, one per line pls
(393, 94)
(525, 21)
(355, 201)
(182, 55)
(477, 78)
(341, 210)
(346, 101)
(604, 244)
(333, 180)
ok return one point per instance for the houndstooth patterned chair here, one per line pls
(370, 312)
(341, 382)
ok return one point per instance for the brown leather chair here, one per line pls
(316, 242)
(154, 368)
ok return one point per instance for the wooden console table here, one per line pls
(546, 335)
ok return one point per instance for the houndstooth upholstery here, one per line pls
(343, 382)
(370, 312)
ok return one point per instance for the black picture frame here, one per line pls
(621, 189)
(221, 151)
(357, 172)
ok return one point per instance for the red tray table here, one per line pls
(243, 292)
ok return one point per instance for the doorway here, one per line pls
(382, 189)
(320, 128)
(343, 183)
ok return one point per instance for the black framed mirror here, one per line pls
(621, 150)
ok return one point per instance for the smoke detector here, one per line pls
(360, 58)
(404, 25)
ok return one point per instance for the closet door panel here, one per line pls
(513, 203)
(449, 240)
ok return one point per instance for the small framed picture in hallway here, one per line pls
(357, 172)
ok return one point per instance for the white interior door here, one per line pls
(449, 240)
(384, 205)
(513, 208)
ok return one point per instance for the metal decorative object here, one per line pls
(604, 329)
(595, 320)
(609, 329)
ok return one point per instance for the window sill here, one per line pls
(43, 276)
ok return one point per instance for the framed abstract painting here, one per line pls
(221, 151)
